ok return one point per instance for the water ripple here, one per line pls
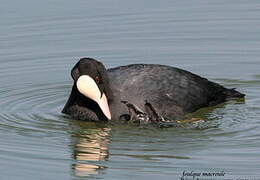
(34, 108)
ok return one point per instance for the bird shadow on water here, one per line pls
(89, 147)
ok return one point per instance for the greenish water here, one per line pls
(41, 40)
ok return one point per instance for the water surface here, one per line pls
(40, 41)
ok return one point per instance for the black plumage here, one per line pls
(173, 92)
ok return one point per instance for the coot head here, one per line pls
(91, 81)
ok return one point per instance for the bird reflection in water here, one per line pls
(90, 146)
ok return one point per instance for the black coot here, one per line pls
(142, 91)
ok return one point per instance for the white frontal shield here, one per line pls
(88, 87)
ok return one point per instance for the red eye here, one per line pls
(98, 80)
